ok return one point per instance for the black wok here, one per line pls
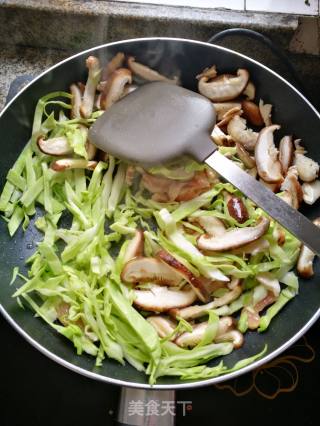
(171, 57)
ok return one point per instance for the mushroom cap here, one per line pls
(266, 156)
(235, 237)
(225, 87)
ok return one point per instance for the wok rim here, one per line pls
(182, 385)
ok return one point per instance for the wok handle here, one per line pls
(141, 407)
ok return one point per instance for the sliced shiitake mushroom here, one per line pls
(115, 62)
(147, 73)
(265, 111)
(149, 269)
(191, 339)
(91, 150)
(235, 237)
(115, 86)
(135, 246)
(307, 168)
(285, 153)
(249, 91)
(94, 73)
(252, 113)
(228, 116)
(311, 192)
(237, 209)
(73, 163)
(164, 326)
(200, 285)
(225, 87)
(162, 299)
(269, 282)
(292, 185)
(261, 245)
(245, 157)
(211, 224)
(55, 146)
(274, 187)
(266, 155)
(197, 311)
(220, 138)
(208, 72)
(75, 101)
(233, 336)
(238, 131)
(306, 258)
(223, 108)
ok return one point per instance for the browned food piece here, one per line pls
(237, 209)
(252, 113)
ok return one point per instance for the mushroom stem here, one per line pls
(147, 73)
(73, 163)
(191, 339)
(164, 326)
(93, 65)
(161, 299)
(197, 311)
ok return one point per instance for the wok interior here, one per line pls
(170, 57)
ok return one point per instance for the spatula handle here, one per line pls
(278, 209)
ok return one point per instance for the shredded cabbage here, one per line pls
(74, 281)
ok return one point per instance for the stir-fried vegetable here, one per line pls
(164, 268)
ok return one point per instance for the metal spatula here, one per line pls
(160, 122)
